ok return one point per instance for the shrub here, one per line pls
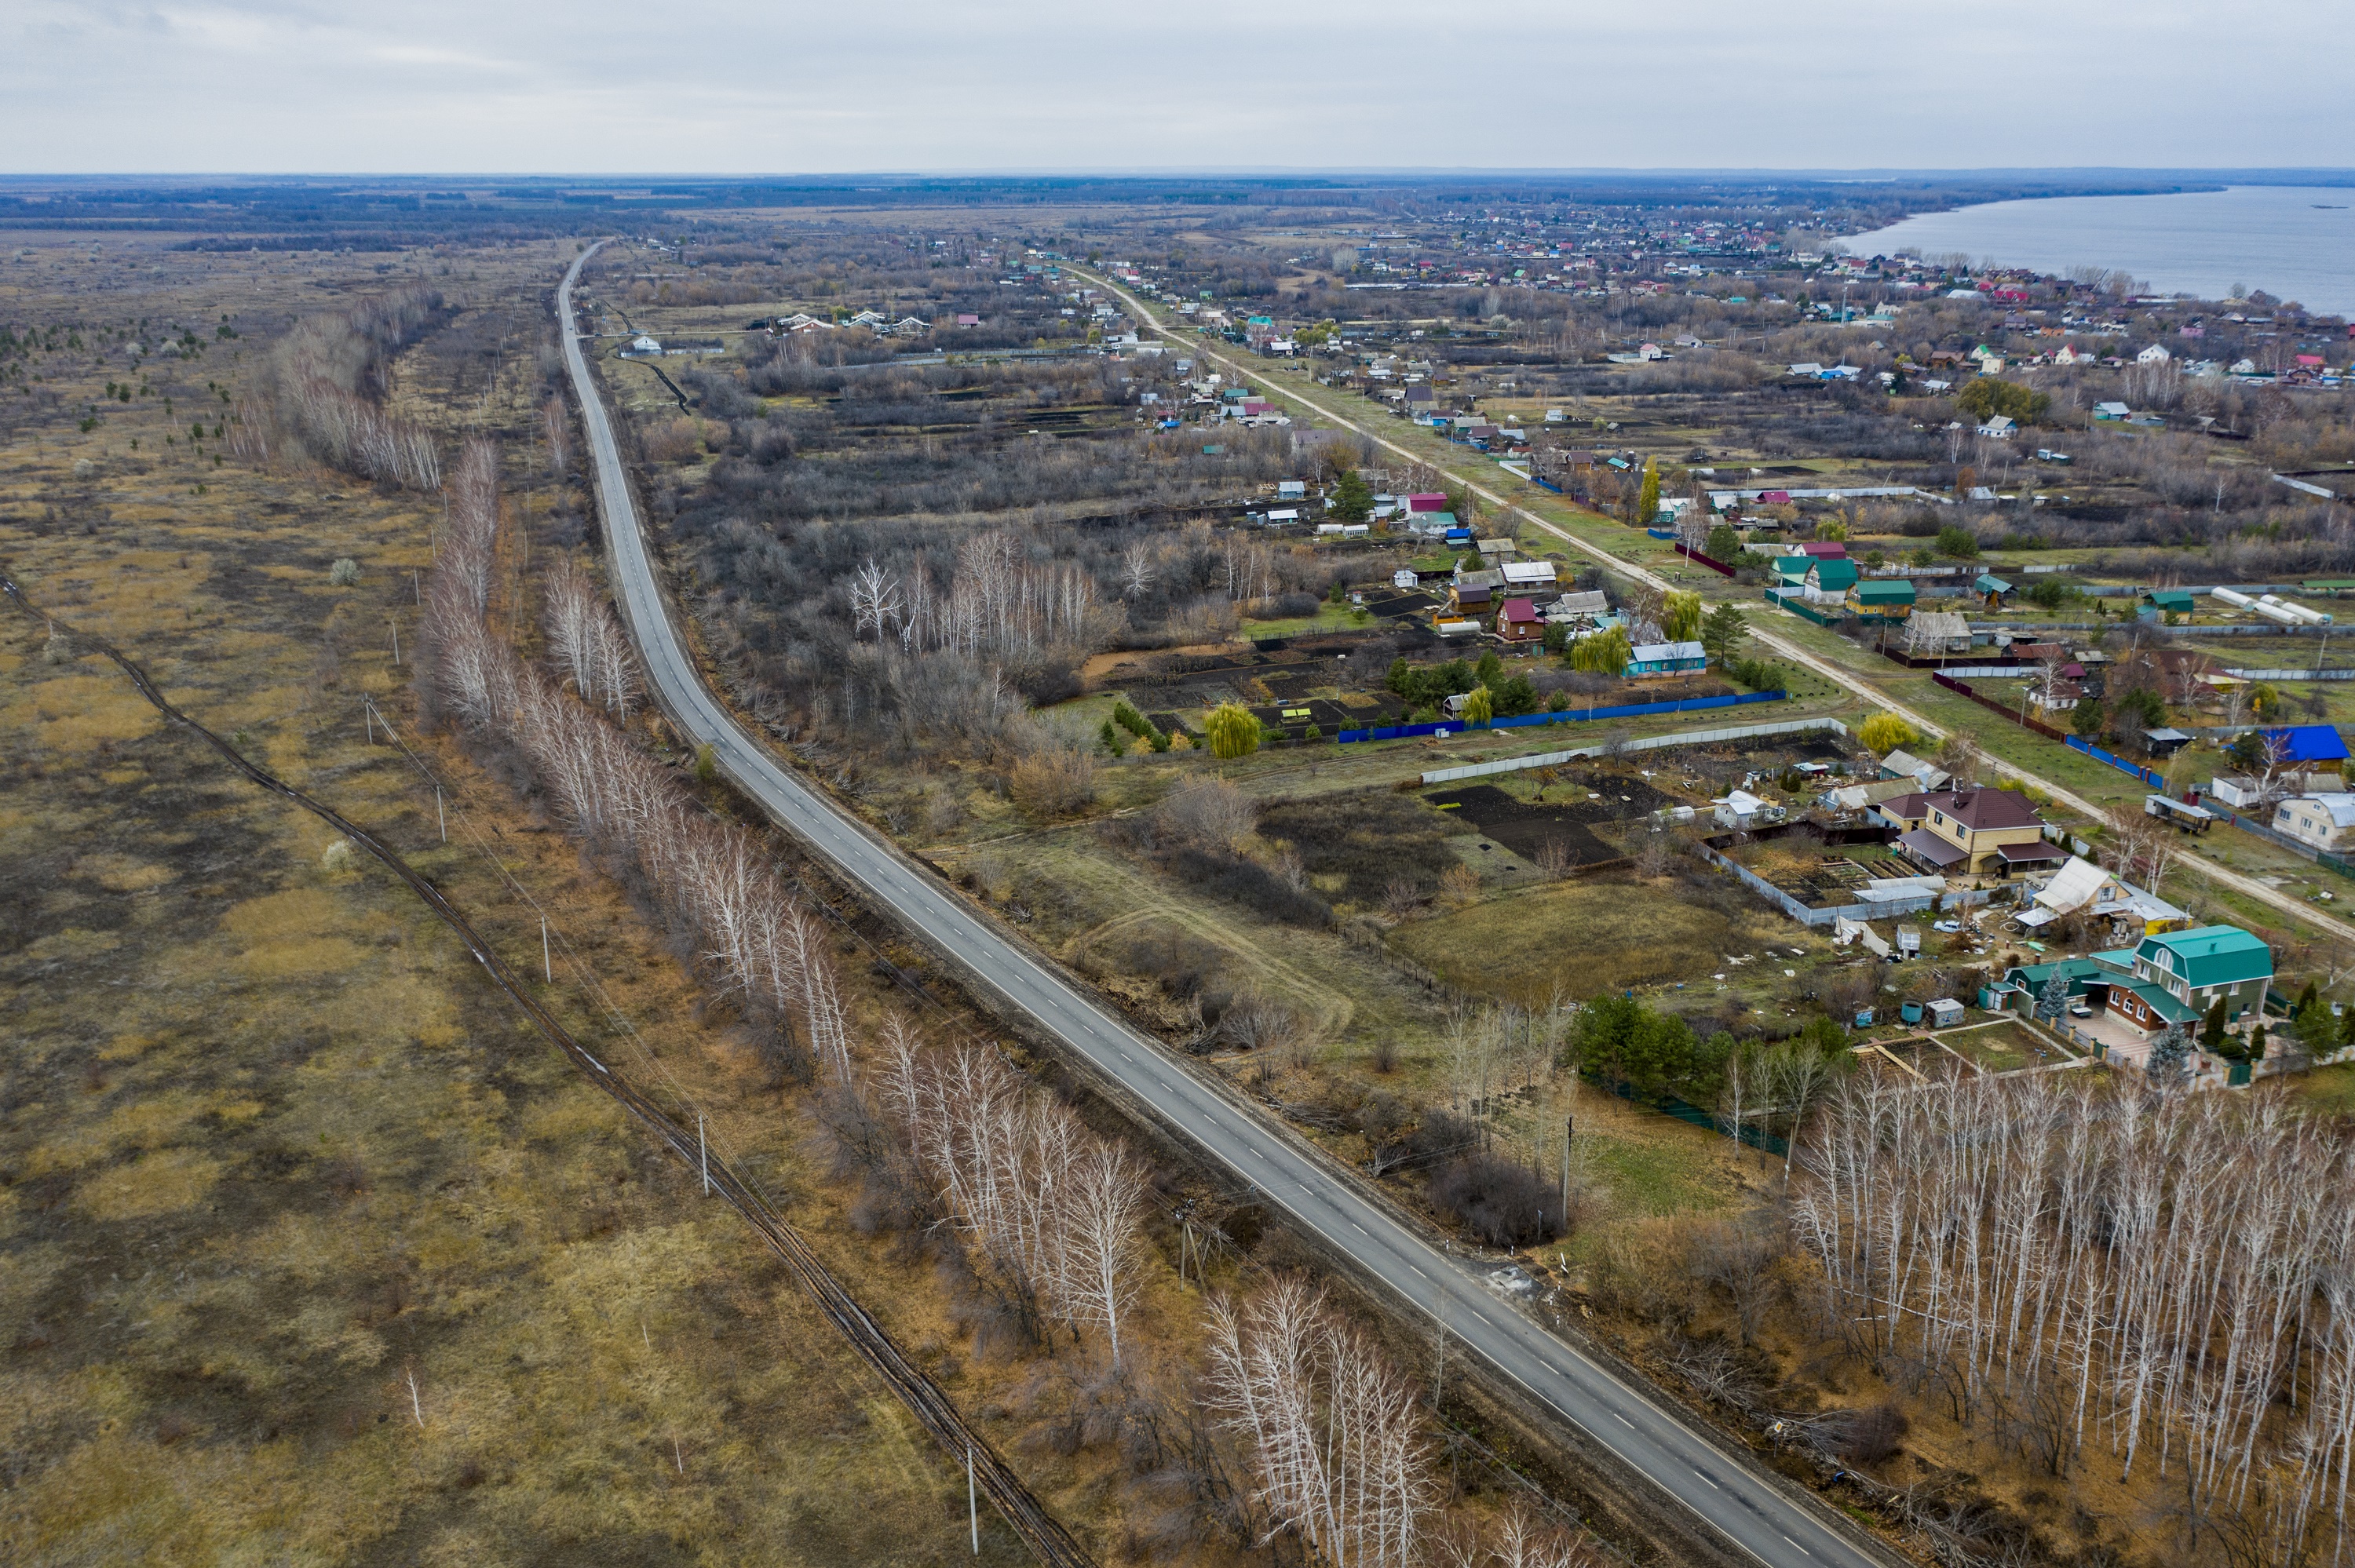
(707, 766)
(1136, 724)
(1206, 813)
(1496, 1202)
(1873, 1435)
(677, 441)
(1053, 782)
(344, 572)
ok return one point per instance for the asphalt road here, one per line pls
(2191, 859)
(1754, 1515)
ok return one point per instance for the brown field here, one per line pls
(312, 1251)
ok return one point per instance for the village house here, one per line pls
(1927, 776)
(1580, 611)
(2084, 888)
(1973, 832)
(1519, 621)
(2195, 968)
(1937, 632)
(1828, 581)
(1890, 599)
(1473, 593)
(2322, 821)
(1655, 658)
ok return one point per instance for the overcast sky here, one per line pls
(731, 86)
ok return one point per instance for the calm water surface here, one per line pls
(2295, 242)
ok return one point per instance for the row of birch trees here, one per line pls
(1000, 604)
(1051, 1216)
(332, 376)
(706, 875)
(2167, 1278)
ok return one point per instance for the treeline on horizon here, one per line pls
(375, 214)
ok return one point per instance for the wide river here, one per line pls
(2296, 242)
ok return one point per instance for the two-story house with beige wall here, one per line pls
(1972, 832)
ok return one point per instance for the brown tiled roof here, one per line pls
(1979, 809)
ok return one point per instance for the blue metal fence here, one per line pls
(1633, 710)
(2078, 743)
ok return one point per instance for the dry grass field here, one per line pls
(309, 1252)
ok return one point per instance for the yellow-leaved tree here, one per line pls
(1234, 731)
(1884, 733)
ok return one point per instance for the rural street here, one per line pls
(1755, 1514)
(2247, 886)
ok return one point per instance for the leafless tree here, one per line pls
(2166, 1271)
(1103, 1218)
(1332, 1429)
(1140, 569)
(559, 428)
(875, 600)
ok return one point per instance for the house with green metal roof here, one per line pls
(2079, 974)
(2171, 601)
(1991, 588)
(2149, 1007)
(1889, 598)
(1830, 578)
(2198, 966)
(1790, 571)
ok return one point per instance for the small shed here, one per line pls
(2171, 601)
(1991, 588)
(1945, 1013)
(2165, 742)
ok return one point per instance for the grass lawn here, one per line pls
(1329, 617)
(2003, 1047)
(1584, 936)
(2330, 1090)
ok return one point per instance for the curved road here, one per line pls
(1757, 1515)
(2247, 886)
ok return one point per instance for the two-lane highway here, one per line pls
(1752, 1512)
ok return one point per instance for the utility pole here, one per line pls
(972, 1501)
(1569, 1124)
(440, 815)
(396, 639)
(546, 963)
(702, 1154)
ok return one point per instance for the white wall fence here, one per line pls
(2293, 674)
(1649, 743)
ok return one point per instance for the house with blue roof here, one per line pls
(2309, 743)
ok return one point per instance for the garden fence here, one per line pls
(1566, 715)
(1650, 743)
